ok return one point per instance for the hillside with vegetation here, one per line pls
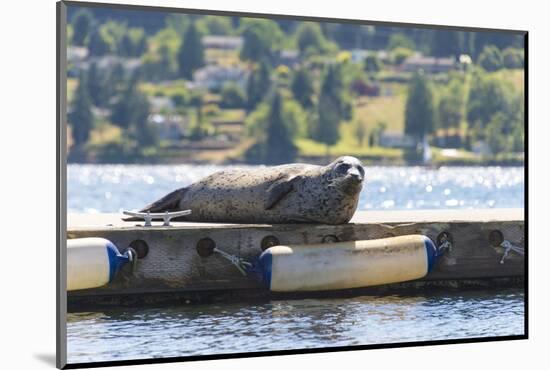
(167, 88)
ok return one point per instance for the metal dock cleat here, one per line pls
(166, 216)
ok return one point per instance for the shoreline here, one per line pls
(315, 160)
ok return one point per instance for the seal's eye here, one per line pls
(361, 170)
(343, 168)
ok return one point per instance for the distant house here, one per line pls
(232, 130)
(170, 127)
(289, 58)
(362, 88)
(160, 103)
(358, 55)
(76, 54)
(214, 77)
(481, 148)
(129, 65)
(222, 42)
(396, 140)
(427, 64)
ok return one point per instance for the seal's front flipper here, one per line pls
(279, 189)
(169, 202)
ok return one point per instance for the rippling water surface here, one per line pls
(292, 324)
(276, 325)
(111, 188)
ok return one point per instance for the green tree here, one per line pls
(400, 54)
(81, 117)
(490, 58)
(310, 37)
(487, 96)
(191, 53)
(98, 45)
(451, 106)
(496, 139)
(400, 40)
(232, 96)
(331, 109)
(100, 87)
(279, 146)
(82, 24)
(132, 107)
(376, 133)
(197, 131)
(372, 64)
(261, 38)
(302, 88)
(216, 25)
(445, 43)
(258, 85)
(360, 132)
(132, 43)
(419, 110)
(512, 58)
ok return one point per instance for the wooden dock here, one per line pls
(172, 270)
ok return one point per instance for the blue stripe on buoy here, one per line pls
(266, 260)
(114, 260)
(431, 252)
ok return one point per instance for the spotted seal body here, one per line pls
(292, 193)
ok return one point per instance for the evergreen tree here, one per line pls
(400, 40)
(309, 36)
(82, 24)
(487, 96)
(98, 46)
(419, 111)
(278, 146)
(302, 88)
(81, 117)
(261, 39)
(332, 109)
(258, 84)
(450, 107)
(132, 106)
(232, 96)
(372, 64)
(512, 58)
(99, 87)
(445, 43)
(191, 53)
(491, 58)
(197, 131)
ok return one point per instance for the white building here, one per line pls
(213, 77)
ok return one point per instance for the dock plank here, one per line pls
(173, 264)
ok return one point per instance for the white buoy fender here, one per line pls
(345, 265)
(92, 262)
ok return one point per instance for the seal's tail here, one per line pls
(169, 202)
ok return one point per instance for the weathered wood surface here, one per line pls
(173, 264)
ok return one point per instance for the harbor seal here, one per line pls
(291, 193)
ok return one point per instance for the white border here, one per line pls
(28, 181)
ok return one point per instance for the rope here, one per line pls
(444, 247)
(239, 263)
(508, 247)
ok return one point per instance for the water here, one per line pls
(121, 334)
(112, 188)
(292, 324)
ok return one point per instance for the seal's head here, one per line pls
(346, 173)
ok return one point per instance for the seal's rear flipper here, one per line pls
(169, 202)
